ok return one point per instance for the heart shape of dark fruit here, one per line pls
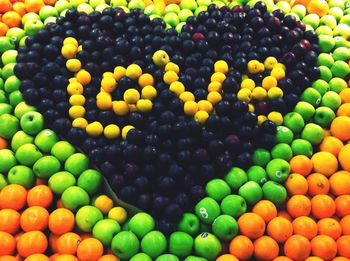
(164, 163)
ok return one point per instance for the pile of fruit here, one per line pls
(165, 130)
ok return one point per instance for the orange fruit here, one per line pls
(343, 205)
(344, 109)
(49, 2)
(111, 258)
(296, 184)
(324, 247)
(251, 225)
(343, 245)
(340, 258)
(61, 221)
(89, 249)
(329, 227)
(318, 184)
(340, 183)
(5, 6)
(9, 220)
(66, 257)
(280, 229)
(19, 8)
(226, 257)
(33, 242)
(265, 209)
(297, 247)
(8, 244)
(299, 205)
(265, 248)
(305, 226)
(241, 247)
(301, 164)
(13, 196)
(40, 195)
(331, 144)
(9, 258)
(3, 142)
(34, 218)
(33, 5)
(345, 96)
(322, 206)
(3, 30)
(53, 242)
(345, 225)
(68, 243)
(319, 7)
(12, 19)
(282, 258)
(343, 157)
(37, 257)
(284, 214)
(313, 258)
(325, 163)
(340, 128)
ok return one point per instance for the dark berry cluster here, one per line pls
(164, 163)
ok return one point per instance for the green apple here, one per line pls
(274, 192)
(225, 227)
(341, 54)
(9, 56)
(6, 44)
(294, 121)
(16, 34)
(3, 181)
(326, 73)
(21, 175)
(118, 3)
(90, 180)
(172, 8)
(102, 7)
(32, 122)
(331, 100)
(299, 10)
(15, 98)
(341, 42)
(45, 167)
(312, 133)
(141, 257)
(284, 6)
(251, 192)
(61, 5)
(152, 9)
(189, 4)
(7, 160)
(283, 135)
(195, 258)
(62, 150)
(311, 96)
(125, 244)
(257, 174)
(45, 140)
(184, 14)
(324, 30)
(12, 84)
(30, 16)
(321, 86)
(85, 7)
(8, 125)
(200, 9)
(7, 70)
(189, 223)
(178, 28)
(27, 154)
(154, 244)
(305, 109)
(336, 12)
(236, 178)
(141, 224)
(75, 3)
(3, 96)
(207, 210)
(95, 3)
(5, 108)
(325, 59)
(22, 108)
(204, 2)
(342, 30)
(233, 205)
(338, 3)
(31, 27)
(167, 257)
(86, 217)
(329, 21)
(339, 69)
(312, 19)
(75, 197)
(171, 19)
(136, 4)
(282, 151)
(217, 189)
(324, 116)
(77, 163)
(207, 245)
(302, 147)
(278, 170)
(326, 43)
(61, 181)
(337, 84)
(20, 138)
(104, 230)
(47, 11)
(180, 244)
(345, 19)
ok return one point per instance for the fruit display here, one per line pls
(174, 130)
